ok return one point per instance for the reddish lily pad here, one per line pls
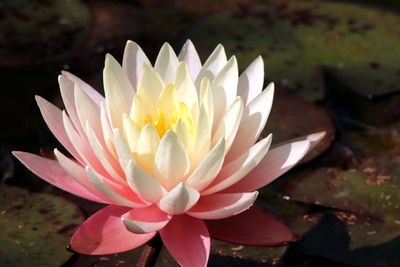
(297, 38)
(35, 228)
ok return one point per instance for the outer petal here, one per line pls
(53, 173)
(219, 206)
(104, 233)
(171, 162)
(90, 91)
(145, 220)
(67, 89)
(76, 171)
(189, 55)
(277, 161)
(215, 62)
(166, 63)
(180, 199)
(119, 194)
(187, 240)
(254, 117)
(239, 168)
(251, 80)
(132, 63)
(251, 228)
(54, 120)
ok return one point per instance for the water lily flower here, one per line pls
(172, 149)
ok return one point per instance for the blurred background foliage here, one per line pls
(336, 66)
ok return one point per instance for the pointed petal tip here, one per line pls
(316, 136)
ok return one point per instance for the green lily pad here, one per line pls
(35, 228)
(298, 38)
(286, 122)
(34, 31)
(370, 186)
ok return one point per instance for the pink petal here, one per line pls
(89, 90)
(83, 147)
(104, 233)
(53, 173)
(54, 120)
(76, 171)
(188, 241)
(145, 220)
(277, 161)
(251, 228)
(219, 206)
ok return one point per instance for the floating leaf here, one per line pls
(35, 228)
(370, 186)
(297, 38)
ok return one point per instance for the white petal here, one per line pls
(215, 62)
(124, 153)
(208, 168)
(220, 206)
(203, 137)
(132, 63)
(278, 160)
(131, 132)
(166, 63)
(143, 184)
(189, 55)
(180, 199)
(251, 80)
(224, 88)
(237, 169)
(171, 161)
(151, 82)
(118, 90)
(230, 123)
(186, 89)
(145, 220)
(254, 117)
(146, 147)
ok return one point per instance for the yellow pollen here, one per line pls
(162, 124)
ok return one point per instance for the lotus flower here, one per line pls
(172, 149)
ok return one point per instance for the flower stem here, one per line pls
(150, 252)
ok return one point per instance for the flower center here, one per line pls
(181, 113)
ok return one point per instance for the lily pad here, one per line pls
(292, 116)
(370, 186)
(298, 38)
(35, 228)
(35, 31)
